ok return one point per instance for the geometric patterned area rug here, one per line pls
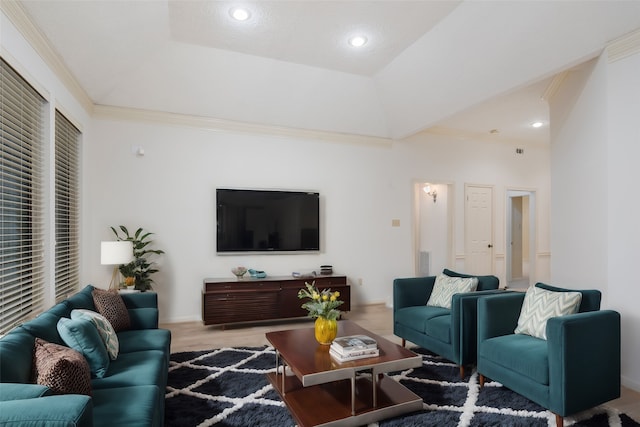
(227, 387)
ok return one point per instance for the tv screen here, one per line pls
(267, 220)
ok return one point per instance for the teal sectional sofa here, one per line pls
(131, 392)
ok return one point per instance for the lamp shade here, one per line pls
(115, 253)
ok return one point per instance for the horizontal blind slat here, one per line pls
(22, 222)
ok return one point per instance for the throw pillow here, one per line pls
(111, 306)
(541, 305)
(60, 368)
(106, 331)
(82, 336)
(445, 287)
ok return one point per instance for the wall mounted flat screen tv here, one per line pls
(267, 221)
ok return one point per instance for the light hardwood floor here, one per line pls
(377, 318)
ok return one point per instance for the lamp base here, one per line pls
(115, 279)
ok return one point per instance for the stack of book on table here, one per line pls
(353, 347)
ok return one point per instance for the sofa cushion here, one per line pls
(82, 336)
(127, 406)
(82, 299)
(106, 331)
(540, 305)
(143, 318)
(62, 369)
(417, 316)
(524, 354)
(590, 297)
(45, 326)
(61, 309)
(137, 368)
(48, 411)
(445, 287)
(16, 350)
(111, 306)
(485, 283)
(149, 339)
(20, 391)
(439, 328)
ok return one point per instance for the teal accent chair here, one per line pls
(576, 368)
(450, 333)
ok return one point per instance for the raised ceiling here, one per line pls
(450, 64)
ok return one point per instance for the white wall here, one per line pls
(579, 179)
(623, 149)
(460, 162)
(594, 233)
(363, 187)
(171, 192)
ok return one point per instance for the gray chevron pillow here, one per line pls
(445, 287)
(541, 305)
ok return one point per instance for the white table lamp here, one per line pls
(116, 254)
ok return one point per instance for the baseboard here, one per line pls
(629, 383)
(184, 319)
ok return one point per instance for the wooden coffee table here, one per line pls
(324, 392)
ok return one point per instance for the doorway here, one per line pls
(433, 227)
(520, 233)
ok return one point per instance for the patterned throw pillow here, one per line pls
(111, 306)
(62, 369)
(106, 331)
(445, 287)
(541, 305)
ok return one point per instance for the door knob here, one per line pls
(489, 245)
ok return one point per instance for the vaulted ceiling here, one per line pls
(465, 66)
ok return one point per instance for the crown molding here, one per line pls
(22, 21)
(554, 85)
(624, 46)
(140, 115)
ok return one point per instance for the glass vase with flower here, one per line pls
(322, 306)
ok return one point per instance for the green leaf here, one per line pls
(145, 236)
(141, 268)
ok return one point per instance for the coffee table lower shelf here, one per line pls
(329, 404)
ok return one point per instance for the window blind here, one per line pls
(67, 211)
(22, 272)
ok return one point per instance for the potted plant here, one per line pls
(323, 306)
(139, 270)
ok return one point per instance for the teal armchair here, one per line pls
(450, 333)
(576, 368)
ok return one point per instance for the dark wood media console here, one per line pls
(246, 300)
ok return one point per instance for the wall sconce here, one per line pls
(430, 192)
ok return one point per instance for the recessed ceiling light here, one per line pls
(240, 13)
(537, 124)
(358, 41)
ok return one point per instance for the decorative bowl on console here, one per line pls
(239, 271)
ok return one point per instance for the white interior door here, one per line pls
(478, 229)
